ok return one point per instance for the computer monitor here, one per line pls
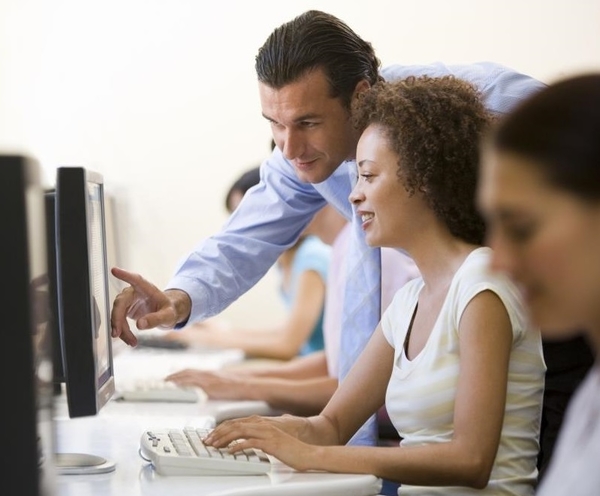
(82, 303)
(58, 370)
(25, 368)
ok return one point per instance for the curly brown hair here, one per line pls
(435, 125)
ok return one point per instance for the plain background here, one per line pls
(160, 96)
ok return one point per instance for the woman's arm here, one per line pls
(311, 366)
(297, 396)
(466, 460)
(354, 401)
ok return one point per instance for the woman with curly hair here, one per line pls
(460, 372)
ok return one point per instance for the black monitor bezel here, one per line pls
(85, 394)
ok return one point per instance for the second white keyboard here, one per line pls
(147, 389)
(182, 452)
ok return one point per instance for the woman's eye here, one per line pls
(520, 233)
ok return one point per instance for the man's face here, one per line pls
(313, 130)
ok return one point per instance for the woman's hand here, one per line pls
(217, 385)
(267, 434)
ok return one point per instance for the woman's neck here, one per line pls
(438, 257)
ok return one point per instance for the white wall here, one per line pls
(160, 95)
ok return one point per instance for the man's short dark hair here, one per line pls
(317, 40)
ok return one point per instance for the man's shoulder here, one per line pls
(501, 87)
(470, 71)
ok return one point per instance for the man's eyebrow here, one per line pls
(307, 117)
(301, 118)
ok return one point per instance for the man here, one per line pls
(310, 70)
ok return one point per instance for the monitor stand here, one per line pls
(82, 464)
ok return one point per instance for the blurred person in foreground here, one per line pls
(540, 193)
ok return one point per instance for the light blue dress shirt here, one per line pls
(273, 213)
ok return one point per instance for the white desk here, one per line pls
(115, 434)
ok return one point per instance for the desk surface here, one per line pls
(115, 434)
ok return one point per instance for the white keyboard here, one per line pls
(182, 452)
(154, 389)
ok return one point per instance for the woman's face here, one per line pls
(389, 214)
(546, 239)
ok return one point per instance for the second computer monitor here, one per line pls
(82, 290)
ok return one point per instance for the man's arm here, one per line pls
(269, 219)
(502, 88)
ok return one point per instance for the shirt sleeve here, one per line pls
(269, 220)
(315, 255)
(501, 87)
(477, 279)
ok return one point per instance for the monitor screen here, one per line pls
(25, 357)
(83, 298)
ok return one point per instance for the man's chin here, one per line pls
(309, 177)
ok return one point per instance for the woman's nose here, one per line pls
(356, 195)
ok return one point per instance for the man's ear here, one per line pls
(362, 86)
